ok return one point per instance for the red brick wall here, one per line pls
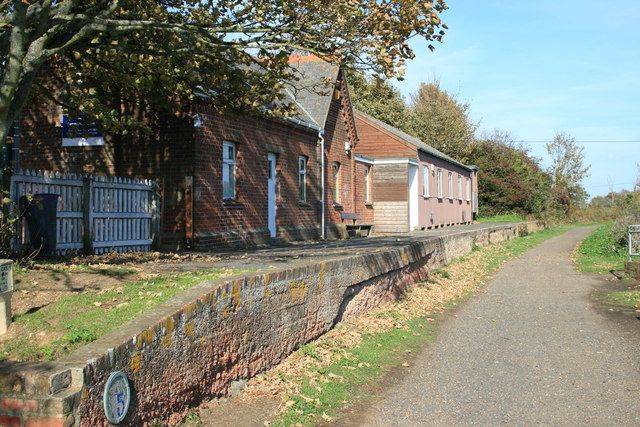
(339, 130)
(169, 154)
(364, 207)
(165, 154)
(245, 220)
(41, 145)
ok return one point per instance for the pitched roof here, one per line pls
(302, 119)
(419, 144)
(313, 91)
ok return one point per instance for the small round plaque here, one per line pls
(116, 397)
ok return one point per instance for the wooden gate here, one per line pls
(95, 214)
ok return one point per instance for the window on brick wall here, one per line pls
(228, 170)
(425, 180)
(367, 184)
(459, 187)
(450, 185)
(335, 168)
(440, 191)
(468, 189)
(302, 178)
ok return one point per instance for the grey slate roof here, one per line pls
(302, 119)
(313, 91)
(413, 140)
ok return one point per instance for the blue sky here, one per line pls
(535, 68)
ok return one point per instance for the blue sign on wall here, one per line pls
(80, 131)
(116, 397)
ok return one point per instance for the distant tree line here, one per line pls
(512, 180)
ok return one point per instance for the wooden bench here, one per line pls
(354, 229)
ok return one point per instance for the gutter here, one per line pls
(302, 124)
(365, 160)
(448, 159)
(392, 161)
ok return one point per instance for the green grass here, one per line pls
(502, 218)
(440, 272)
(629, 298)
(75, 320)
(600, 252)
(192, 419)
(349, 379)
(345, 381)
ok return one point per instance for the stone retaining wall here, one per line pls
(193, 348)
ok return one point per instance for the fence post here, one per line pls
(13, 193)
(87, 220)
(155, 216)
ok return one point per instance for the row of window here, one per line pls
(425, 184)
(229, 176)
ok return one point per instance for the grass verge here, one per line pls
(600, 252)
(322, 378)
(70, 322)
(629, 298)
(502, 218)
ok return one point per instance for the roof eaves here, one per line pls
(419, 144)
(446, 158)
(302, 124)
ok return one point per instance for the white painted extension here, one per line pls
(414, 213)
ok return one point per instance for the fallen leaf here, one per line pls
(326, 417)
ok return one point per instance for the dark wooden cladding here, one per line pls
(390, 183)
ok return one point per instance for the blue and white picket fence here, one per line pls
(122, 214)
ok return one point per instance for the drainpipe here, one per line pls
(322, 196)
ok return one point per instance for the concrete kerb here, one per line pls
(194, 346)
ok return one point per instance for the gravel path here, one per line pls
(533, 349)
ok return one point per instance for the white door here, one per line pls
(271, 190)
(413, 198)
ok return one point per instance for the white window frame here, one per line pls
(226, 162)
(468, 190)
(450, 185)
(367, 183)
(302, 178)
(440, 189)
(459, 187)
(425, 180)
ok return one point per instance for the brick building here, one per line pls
(230, 179)
(415, 185)
(329, 107)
